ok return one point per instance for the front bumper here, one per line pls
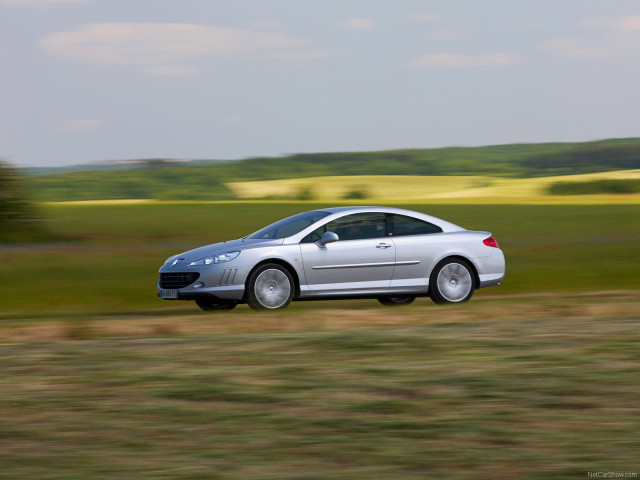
(222, 281)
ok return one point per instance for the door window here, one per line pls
(358, 226)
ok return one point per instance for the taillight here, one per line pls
(490, 242)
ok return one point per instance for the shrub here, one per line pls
(595, 187)
(357, 193)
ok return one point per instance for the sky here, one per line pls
(94, 80)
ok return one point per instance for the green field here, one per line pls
(536, 379)
(498, 395)
(109, 265)
(467, 189)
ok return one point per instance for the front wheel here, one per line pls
(270, 287)
(452, 281)
(396, 301)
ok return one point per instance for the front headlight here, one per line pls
(221, 258)
(171, 259)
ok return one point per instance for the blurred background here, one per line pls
(132, 131)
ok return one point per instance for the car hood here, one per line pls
(222, 247)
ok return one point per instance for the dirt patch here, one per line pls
(327, 316)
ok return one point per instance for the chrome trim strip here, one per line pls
(358, 265)
(364, 265)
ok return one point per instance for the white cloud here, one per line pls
(231, 119)
(457, 60)
(598, 21)
(573, 47)
(427, 17)
(609, 37)
(171, 70)
(160, 48)
(629, 24)
(359, 24)
(447, 36)
(304, 55)
(39, 2)
(265, 25)
(623, 24)
(83, 125)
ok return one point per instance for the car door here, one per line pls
(361, 261)
(418, 244)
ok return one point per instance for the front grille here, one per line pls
(177, 279)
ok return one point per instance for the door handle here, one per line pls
(383, 245)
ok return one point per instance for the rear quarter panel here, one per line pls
(429, 250)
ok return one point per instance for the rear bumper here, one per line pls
(493, 269)
(491, 280)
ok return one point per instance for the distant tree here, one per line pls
(615, 186)
(356, 193)
(17, 213)
(306, 193)
(156, 163)
(585, 158)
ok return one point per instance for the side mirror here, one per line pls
(327, 237)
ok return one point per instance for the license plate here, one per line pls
(169, 294)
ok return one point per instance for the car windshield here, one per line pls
(289, 226)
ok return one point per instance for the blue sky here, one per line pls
(92, 80)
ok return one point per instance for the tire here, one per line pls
(270, 287)
(209, 306)
(452, 281)
(396, 301)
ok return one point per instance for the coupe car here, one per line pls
(390, 254)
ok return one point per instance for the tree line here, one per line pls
(206, 180)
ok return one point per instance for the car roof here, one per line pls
(447, 226)
(343, 209)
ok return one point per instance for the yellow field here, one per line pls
(431, 189)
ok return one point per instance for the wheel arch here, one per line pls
(467, 260)
(282, 263)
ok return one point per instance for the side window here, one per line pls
(359, 226)
(315, 235)
(401, 225)
(352, 227)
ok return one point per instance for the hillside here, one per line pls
(207, 180)
(468, 189)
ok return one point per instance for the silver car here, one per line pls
(390, 254)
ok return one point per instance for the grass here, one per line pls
(537, 379)
(110, 264)
(484, 398)
(435, 189)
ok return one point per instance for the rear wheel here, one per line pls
(270, 287)
(396, 301)
(209, 306)
(452, 281)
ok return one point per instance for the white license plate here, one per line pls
(169, 293)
